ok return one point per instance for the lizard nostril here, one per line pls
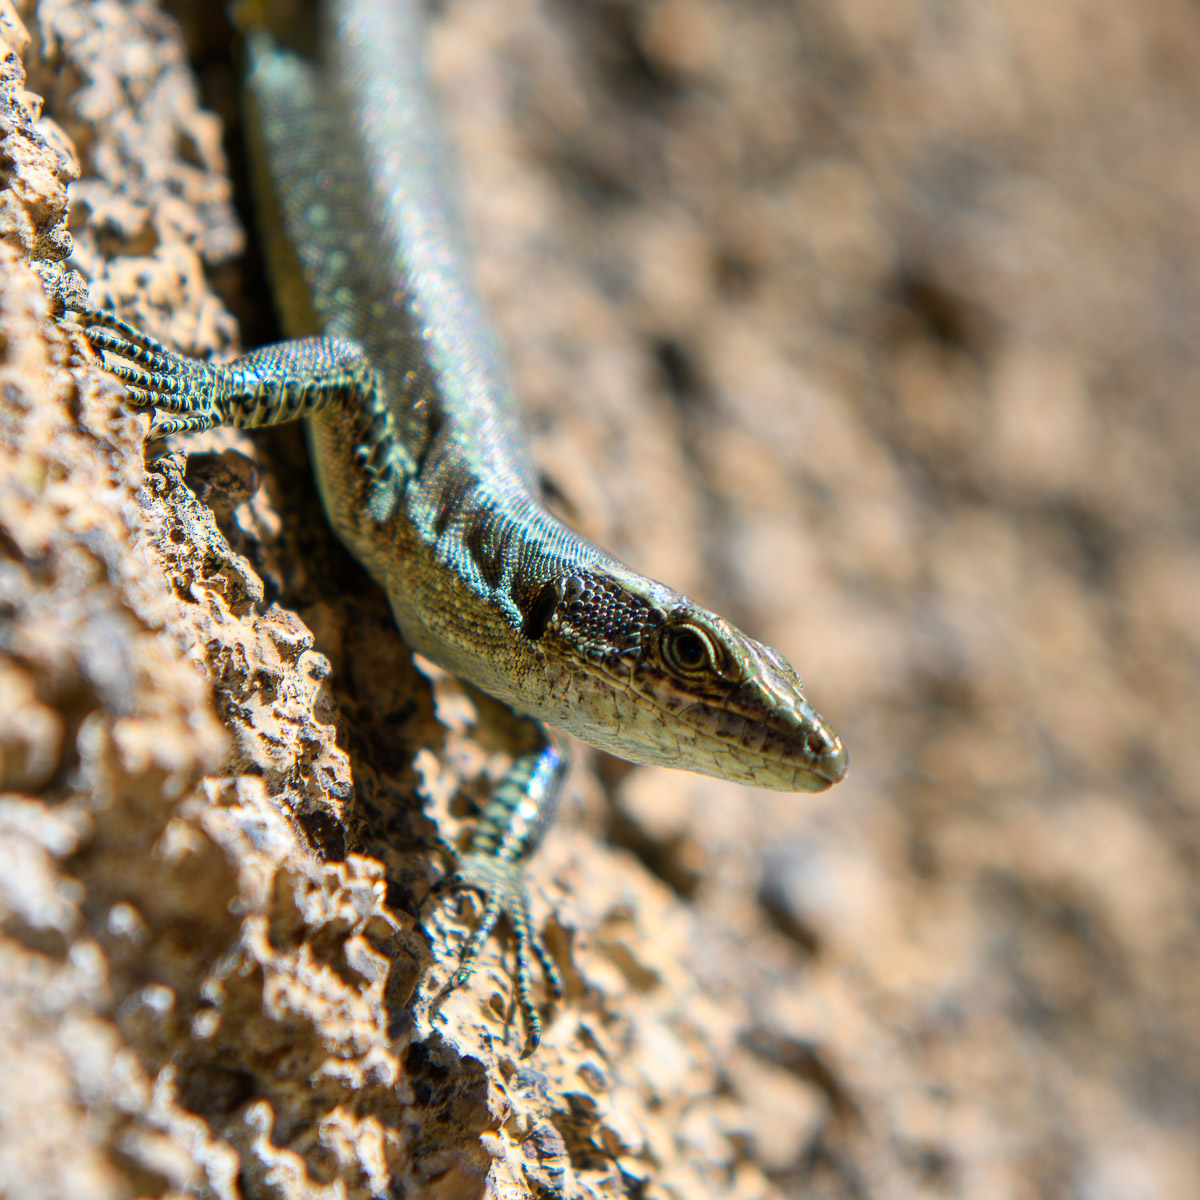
(818, 743)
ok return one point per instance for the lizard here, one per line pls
(425, 475)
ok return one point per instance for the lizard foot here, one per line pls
(502, 884)
(187, 389)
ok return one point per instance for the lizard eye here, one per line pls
(686, 649)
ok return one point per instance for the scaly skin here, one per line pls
(425, 474)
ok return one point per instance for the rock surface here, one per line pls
(870, 324)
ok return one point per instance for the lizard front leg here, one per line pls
(517, 815)
(269, 386)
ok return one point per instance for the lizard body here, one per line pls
(424, 472)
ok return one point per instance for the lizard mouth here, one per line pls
(813, 776)
(798, 755)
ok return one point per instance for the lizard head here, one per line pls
(636, 668)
